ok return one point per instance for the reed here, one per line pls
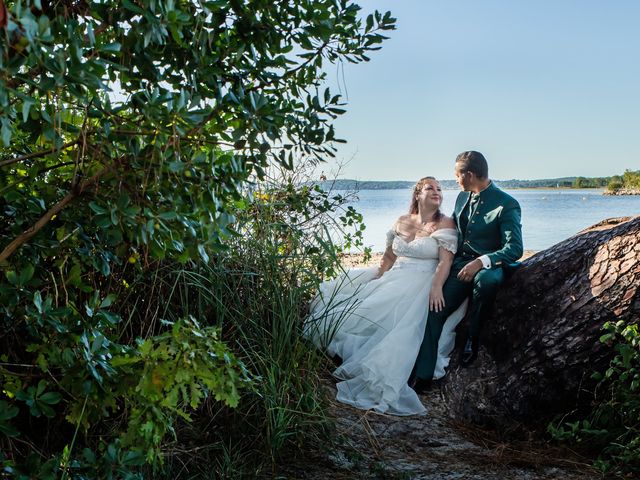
(256, 292)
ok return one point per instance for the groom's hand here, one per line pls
(469, 270)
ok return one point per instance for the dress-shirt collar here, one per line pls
(476, 196)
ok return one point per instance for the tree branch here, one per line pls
(38, 154)
(57, 208)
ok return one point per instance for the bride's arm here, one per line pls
(436, 299)
(388, 259)
(445, 256)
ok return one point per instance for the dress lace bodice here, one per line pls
(423, 247)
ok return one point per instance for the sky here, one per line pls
(544, 89)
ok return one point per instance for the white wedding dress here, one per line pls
(377, 326)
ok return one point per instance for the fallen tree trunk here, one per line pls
(541, 344)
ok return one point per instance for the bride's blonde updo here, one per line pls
(413, 208)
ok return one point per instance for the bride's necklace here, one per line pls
(426, 227)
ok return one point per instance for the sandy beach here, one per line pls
(356, 260)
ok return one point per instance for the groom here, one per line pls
(489, 239)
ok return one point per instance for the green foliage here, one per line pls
(132, 136)
(615, 185)
(631, 179)
(7, 412)
(257, 295)
(628, 180)
(39, 401)
(171, 372)
(595, 182)
(612, 429)
(109, 461)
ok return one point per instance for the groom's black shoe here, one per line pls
(419, 385)
(470, 352)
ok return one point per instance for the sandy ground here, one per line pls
(357, 259)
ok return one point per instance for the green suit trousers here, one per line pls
(482, 290)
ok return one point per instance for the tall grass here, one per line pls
(256, 293)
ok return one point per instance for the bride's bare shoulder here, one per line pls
(405, 218)
(447, 222)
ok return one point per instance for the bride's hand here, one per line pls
(436, 299)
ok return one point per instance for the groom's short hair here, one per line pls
(475, 162)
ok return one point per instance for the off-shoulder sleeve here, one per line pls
(391, 234)
(447, 238)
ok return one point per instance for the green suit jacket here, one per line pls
(493, 229)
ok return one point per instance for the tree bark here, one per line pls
(541, 344)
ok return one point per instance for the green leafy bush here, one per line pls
(133, 134)
(612, 429)
(615, 185)
(629, 180)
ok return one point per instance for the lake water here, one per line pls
(548, 216)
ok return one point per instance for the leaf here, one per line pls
(12, 277)
(133, 459)
(105, 268)
(90, 34)
(369, 25)
(104, 222)
(110, 47)
(112, 318)
(26, 107)
(8, 430)
(89, 456)
(26, 274)
(97, 208)
(108, 300)
(50, 398)
(37, 301)
(127, 4)
(168, 215)
(42, 385)
(46, 410)
(6, 131)
(203, 253)
(6, 411)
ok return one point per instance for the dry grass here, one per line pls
(529, 453)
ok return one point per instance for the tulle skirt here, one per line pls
(376, 327)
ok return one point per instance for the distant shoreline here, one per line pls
(622, 191)
(551, 184)
(625, 184)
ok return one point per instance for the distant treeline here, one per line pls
(629, 180)
(564, 182)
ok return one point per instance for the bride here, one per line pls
(375, 318)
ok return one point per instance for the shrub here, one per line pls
(132, 134)
(614, 185)
(612, 429)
